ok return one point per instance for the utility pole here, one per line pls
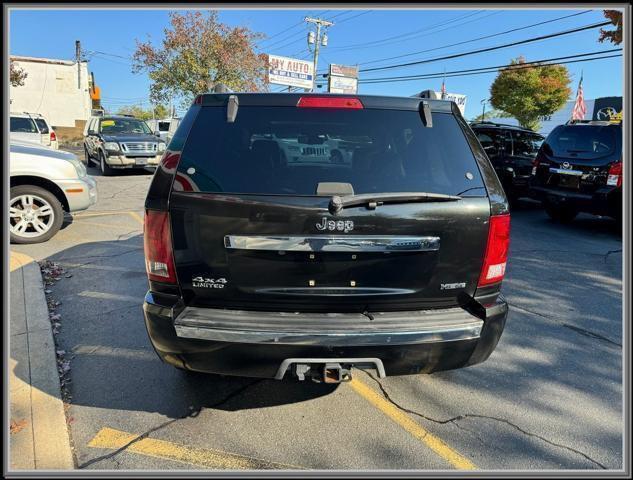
(78, 59)
(318, 41)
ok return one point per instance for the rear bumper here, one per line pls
(255, 344)
(604, 201)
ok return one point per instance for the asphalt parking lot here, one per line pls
(549, 397)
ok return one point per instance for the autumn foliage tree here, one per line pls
(157, 111)
(614, 36)
(198, 52)
(17, 75)
(528, 92)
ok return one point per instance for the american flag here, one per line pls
(579, 108)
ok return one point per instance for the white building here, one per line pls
(56, 89)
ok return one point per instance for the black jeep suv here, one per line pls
(579, 169)
(121, 141)
(511, 151)
(268, 266)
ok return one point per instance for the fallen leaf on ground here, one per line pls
(15, 427)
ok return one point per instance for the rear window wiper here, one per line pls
(373, 200)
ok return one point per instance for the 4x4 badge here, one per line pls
(204, 282)
(332, 225)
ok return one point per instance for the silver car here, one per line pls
(45, 183)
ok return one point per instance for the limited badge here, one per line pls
(205, 282)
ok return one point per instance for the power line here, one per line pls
(475, 39)
(489, 49)
(388, 39)
(496, 68)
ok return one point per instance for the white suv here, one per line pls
(33, 128)
(45, 183)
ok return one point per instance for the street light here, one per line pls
(483, 112)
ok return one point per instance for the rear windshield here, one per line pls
(41, 124)
(583, 141)
(289, 151)
(23, 125)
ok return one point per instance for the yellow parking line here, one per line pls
(136, 217)
(434, 443)
(216, 459)
(99, 214)
(18, 260)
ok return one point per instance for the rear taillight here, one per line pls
(615, 175)
(159, 259)
(494, 267)
(330, 102)
(53, 137)
(535, 164)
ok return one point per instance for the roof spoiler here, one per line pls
(427, 94)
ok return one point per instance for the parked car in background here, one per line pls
(120, 141)
(32, 128)
(164, 128)
(511, 151)
(265, 267)
(579, 169)
(45, 183)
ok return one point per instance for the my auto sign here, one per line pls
(290, 71)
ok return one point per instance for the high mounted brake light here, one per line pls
(159, 259)
(494, 267)
(330, 102)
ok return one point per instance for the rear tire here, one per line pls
(35, 214)
(87, 159)
(561, 214)
(106, 170)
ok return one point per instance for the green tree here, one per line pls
(614, 36)
(491, 114)
(17, 75)
(528, 92)
(160, 111)
(198, 52)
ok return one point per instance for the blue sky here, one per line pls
(358, 36)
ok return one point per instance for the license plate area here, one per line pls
(574, 173)
(140, 161)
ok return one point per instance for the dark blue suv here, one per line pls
(579, 169)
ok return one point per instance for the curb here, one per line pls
(35, 391)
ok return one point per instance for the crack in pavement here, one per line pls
(115, 254)
(192, 413)
(581, 331)
(454, 420)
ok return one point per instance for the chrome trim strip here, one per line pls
(325, 243)
(331, 329)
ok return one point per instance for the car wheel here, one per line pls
(105, 168)
(87, 158)
(561, 214)
(35, 214)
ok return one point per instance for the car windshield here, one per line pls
(124, 125)
(283, 150)
(581, 141)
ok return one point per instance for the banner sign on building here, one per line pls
(342, 79)
(290, 71)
